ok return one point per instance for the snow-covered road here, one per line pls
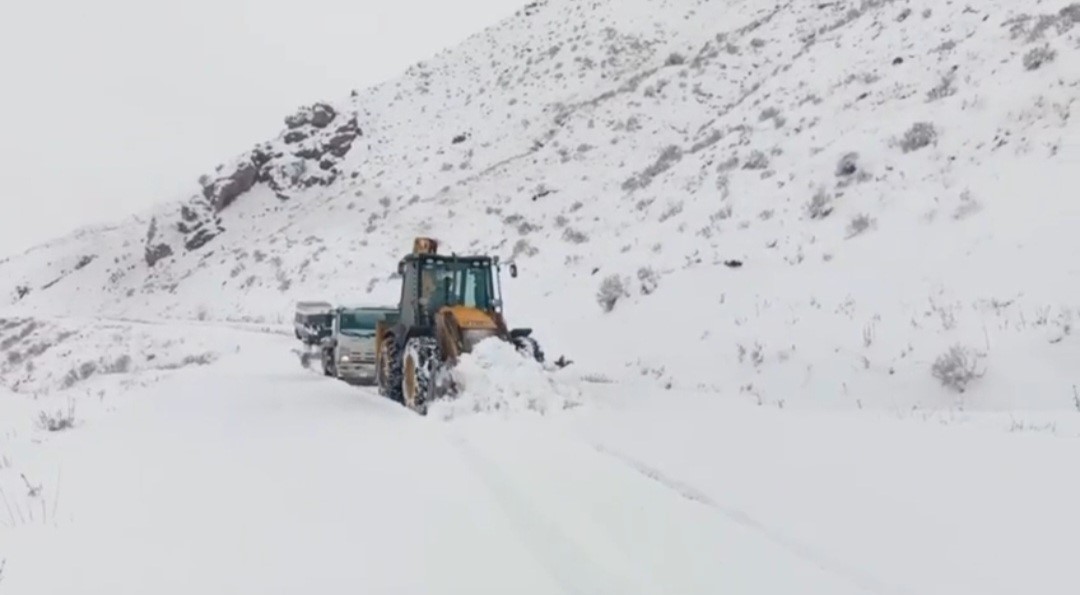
(256, 476)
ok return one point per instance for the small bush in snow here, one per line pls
(957, 368)
(671, 211)
(820, 205)
(943, 89)
(523, 247)
(859, 224)
(57, 421)
(756, 160)
(675, 59)
(1034, 59)
(574, 237)
(919, 136)
(612, 289)
(648, 279)
(968, 206)
(122, 365)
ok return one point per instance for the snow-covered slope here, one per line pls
(895, 179)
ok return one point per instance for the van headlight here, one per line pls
(344, 359)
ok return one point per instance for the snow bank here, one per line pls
(495, 378)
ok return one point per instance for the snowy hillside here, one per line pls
(813, 263)
(894, 178)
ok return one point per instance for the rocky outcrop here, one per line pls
(155, 250)
(319, 115)
(307, 154)
(223, 191)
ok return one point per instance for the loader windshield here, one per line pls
(457, 282)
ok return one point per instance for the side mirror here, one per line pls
(513, 270)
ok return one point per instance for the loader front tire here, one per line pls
(390, 372)
(417, 372)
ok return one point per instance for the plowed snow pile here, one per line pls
(495, 378)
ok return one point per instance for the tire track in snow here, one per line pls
(570, 567)
(804, 551)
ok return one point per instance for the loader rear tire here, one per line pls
(417, 373)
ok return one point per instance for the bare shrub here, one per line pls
(859, 224)
(756, 160)
(523, 247)
(919, 136)
(122, 365)
(821, 205)
(671, 211)
(612, 289)
(59, 420)
(943, 89)
(1037, 57)
(675, 59)
(202, 359)
(968, 206)
(77, 375)
(574, 236)
(957, 368)
(756, 354)
(649, 280)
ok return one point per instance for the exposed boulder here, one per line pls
(295, 136)
(341, 143)
(319, 115)
(223, 191)
(157, 252)
(322, 115)
(199, 238)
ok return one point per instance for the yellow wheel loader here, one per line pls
(448, 305)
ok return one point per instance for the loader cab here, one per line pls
(431, 282)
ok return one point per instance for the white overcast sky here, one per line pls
(110, 106)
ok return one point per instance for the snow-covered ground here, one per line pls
(255, 475)
(812, 263)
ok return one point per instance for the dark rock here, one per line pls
(733, 264)
(848, 165)
(340, 145)
(85, 261)
(457, 140)
(199, 240)
(156, 253)
(188, 214)
(301, 118)
(295, 136)
(309, 153)
(322, 115)
(898, 61)
(326, 164)
(260, 156)
(228, 189)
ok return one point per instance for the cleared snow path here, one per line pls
(254, 475)
(257, 476)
